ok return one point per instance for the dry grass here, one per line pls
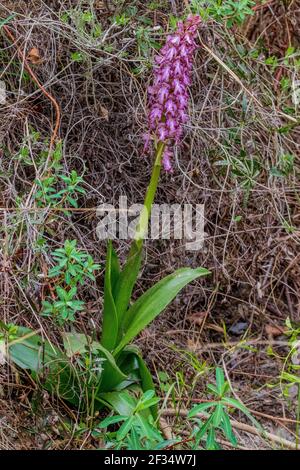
(253, 254)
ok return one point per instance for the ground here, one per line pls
(239, 157)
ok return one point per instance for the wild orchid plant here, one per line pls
(91, 373)
(168, 96)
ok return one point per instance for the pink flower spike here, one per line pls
(147, 139)
(168, 96)
(151, 90)
(178, 136)
(166, 161)
(183, 50)
(166, 72)
(158, 80)
(183, 116)
(178, 87)
(175, 39)
(186, 80)
(171, 124)
(162, 133)
(158, 59)
(170, 106)
(171, 53)
(163, 94)
(189, 39)
(180, 27)
(182, 101)
(156, 114)
(177, 67)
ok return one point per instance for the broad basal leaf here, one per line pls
(127, 280)
(122, 402)
(49, 366)
(110, 324)
(153, 302)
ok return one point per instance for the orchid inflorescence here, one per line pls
(168, 96)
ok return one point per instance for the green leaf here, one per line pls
(134, 440)
(152, 302)
(218, 413)
(211, 439)
(115, 270)
(145, 375)
(200, 408)
(227, 428)
(75, 343)
(274, 171)
(77, 56)
(30, 351)
(148, 431)
(72, 201)
(149, 403)
(238, 405)
(126, 281)
(122, 402)
(110, 325)
(132, 364)
(204, 428)
(125, 428)
(6, 20)
(147, 396)
(112, 376)
(219, 379)
(111, 420)
(213, 389)
(131, 360)
(76, 305)
(62, 294)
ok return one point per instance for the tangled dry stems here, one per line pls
(255, 262)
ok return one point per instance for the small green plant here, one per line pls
(145, 41)
(34, 152)
(285, 84)
(24, 156)
(72, 267)
(138, 430)
(85, 22)
(77, 56)
(72, 264)
(289, 378)
(285, 166)
(155, 5)
(272, 61)
(230, 11)
(291, 57)
(59, 190)
(218, 419)
(288, 227)
(65, 307)
(123, 366)
(244, 170)
(122, 20)
(290, 373)
(165, 383)
(55, 188)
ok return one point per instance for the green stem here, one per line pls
(130, 271)
(142, 226)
